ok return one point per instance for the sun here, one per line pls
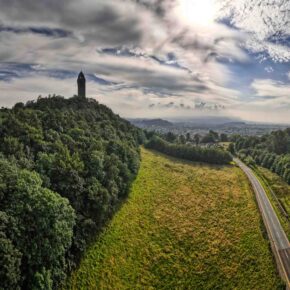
(197, 12)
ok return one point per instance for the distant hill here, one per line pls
(145, 123)
(232, 124)
(206, 121)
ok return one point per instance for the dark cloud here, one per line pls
(210, 56)
(159, 7)
(105, 21)
(30, 10)
(56, 32)
(9, 71)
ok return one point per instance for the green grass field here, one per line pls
(184, 226)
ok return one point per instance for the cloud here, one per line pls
(127, 101)
(269, 103)
(266, 22)
(269, 69)
(141, 53)
(52, 32)
(109, 22)
(275, 92)
(129, 68)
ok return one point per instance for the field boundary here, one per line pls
(279, 204)
(274, 248)
(279, 263)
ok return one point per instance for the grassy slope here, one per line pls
(184, 226)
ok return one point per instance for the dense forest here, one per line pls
(189, 152)
(65, 166)
(271, 151)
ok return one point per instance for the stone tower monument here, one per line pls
(81, 85)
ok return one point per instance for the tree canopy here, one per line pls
(271, 151)
(65, 166)
(189, 152)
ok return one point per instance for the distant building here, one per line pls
(81, 85)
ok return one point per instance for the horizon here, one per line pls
(195, 60)
(175, 120)
(196, 120)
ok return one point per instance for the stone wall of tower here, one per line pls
(81, 85)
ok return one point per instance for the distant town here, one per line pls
(201, 127)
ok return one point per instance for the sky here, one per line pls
(151, 58)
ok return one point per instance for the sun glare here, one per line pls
(197, 12)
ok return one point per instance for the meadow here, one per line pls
(184, 226)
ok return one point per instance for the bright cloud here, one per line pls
(273, 95)
(267, 23)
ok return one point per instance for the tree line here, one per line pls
(197, 139)
(189, 152)
(65, 166)
(271, 151)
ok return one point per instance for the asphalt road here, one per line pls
(273, 226)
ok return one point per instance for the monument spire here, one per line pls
(81, 85)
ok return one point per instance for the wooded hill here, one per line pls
(65, 166)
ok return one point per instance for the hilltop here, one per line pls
(66, 165)
(147, 123)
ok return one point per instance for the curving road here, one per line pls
(272, 223)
